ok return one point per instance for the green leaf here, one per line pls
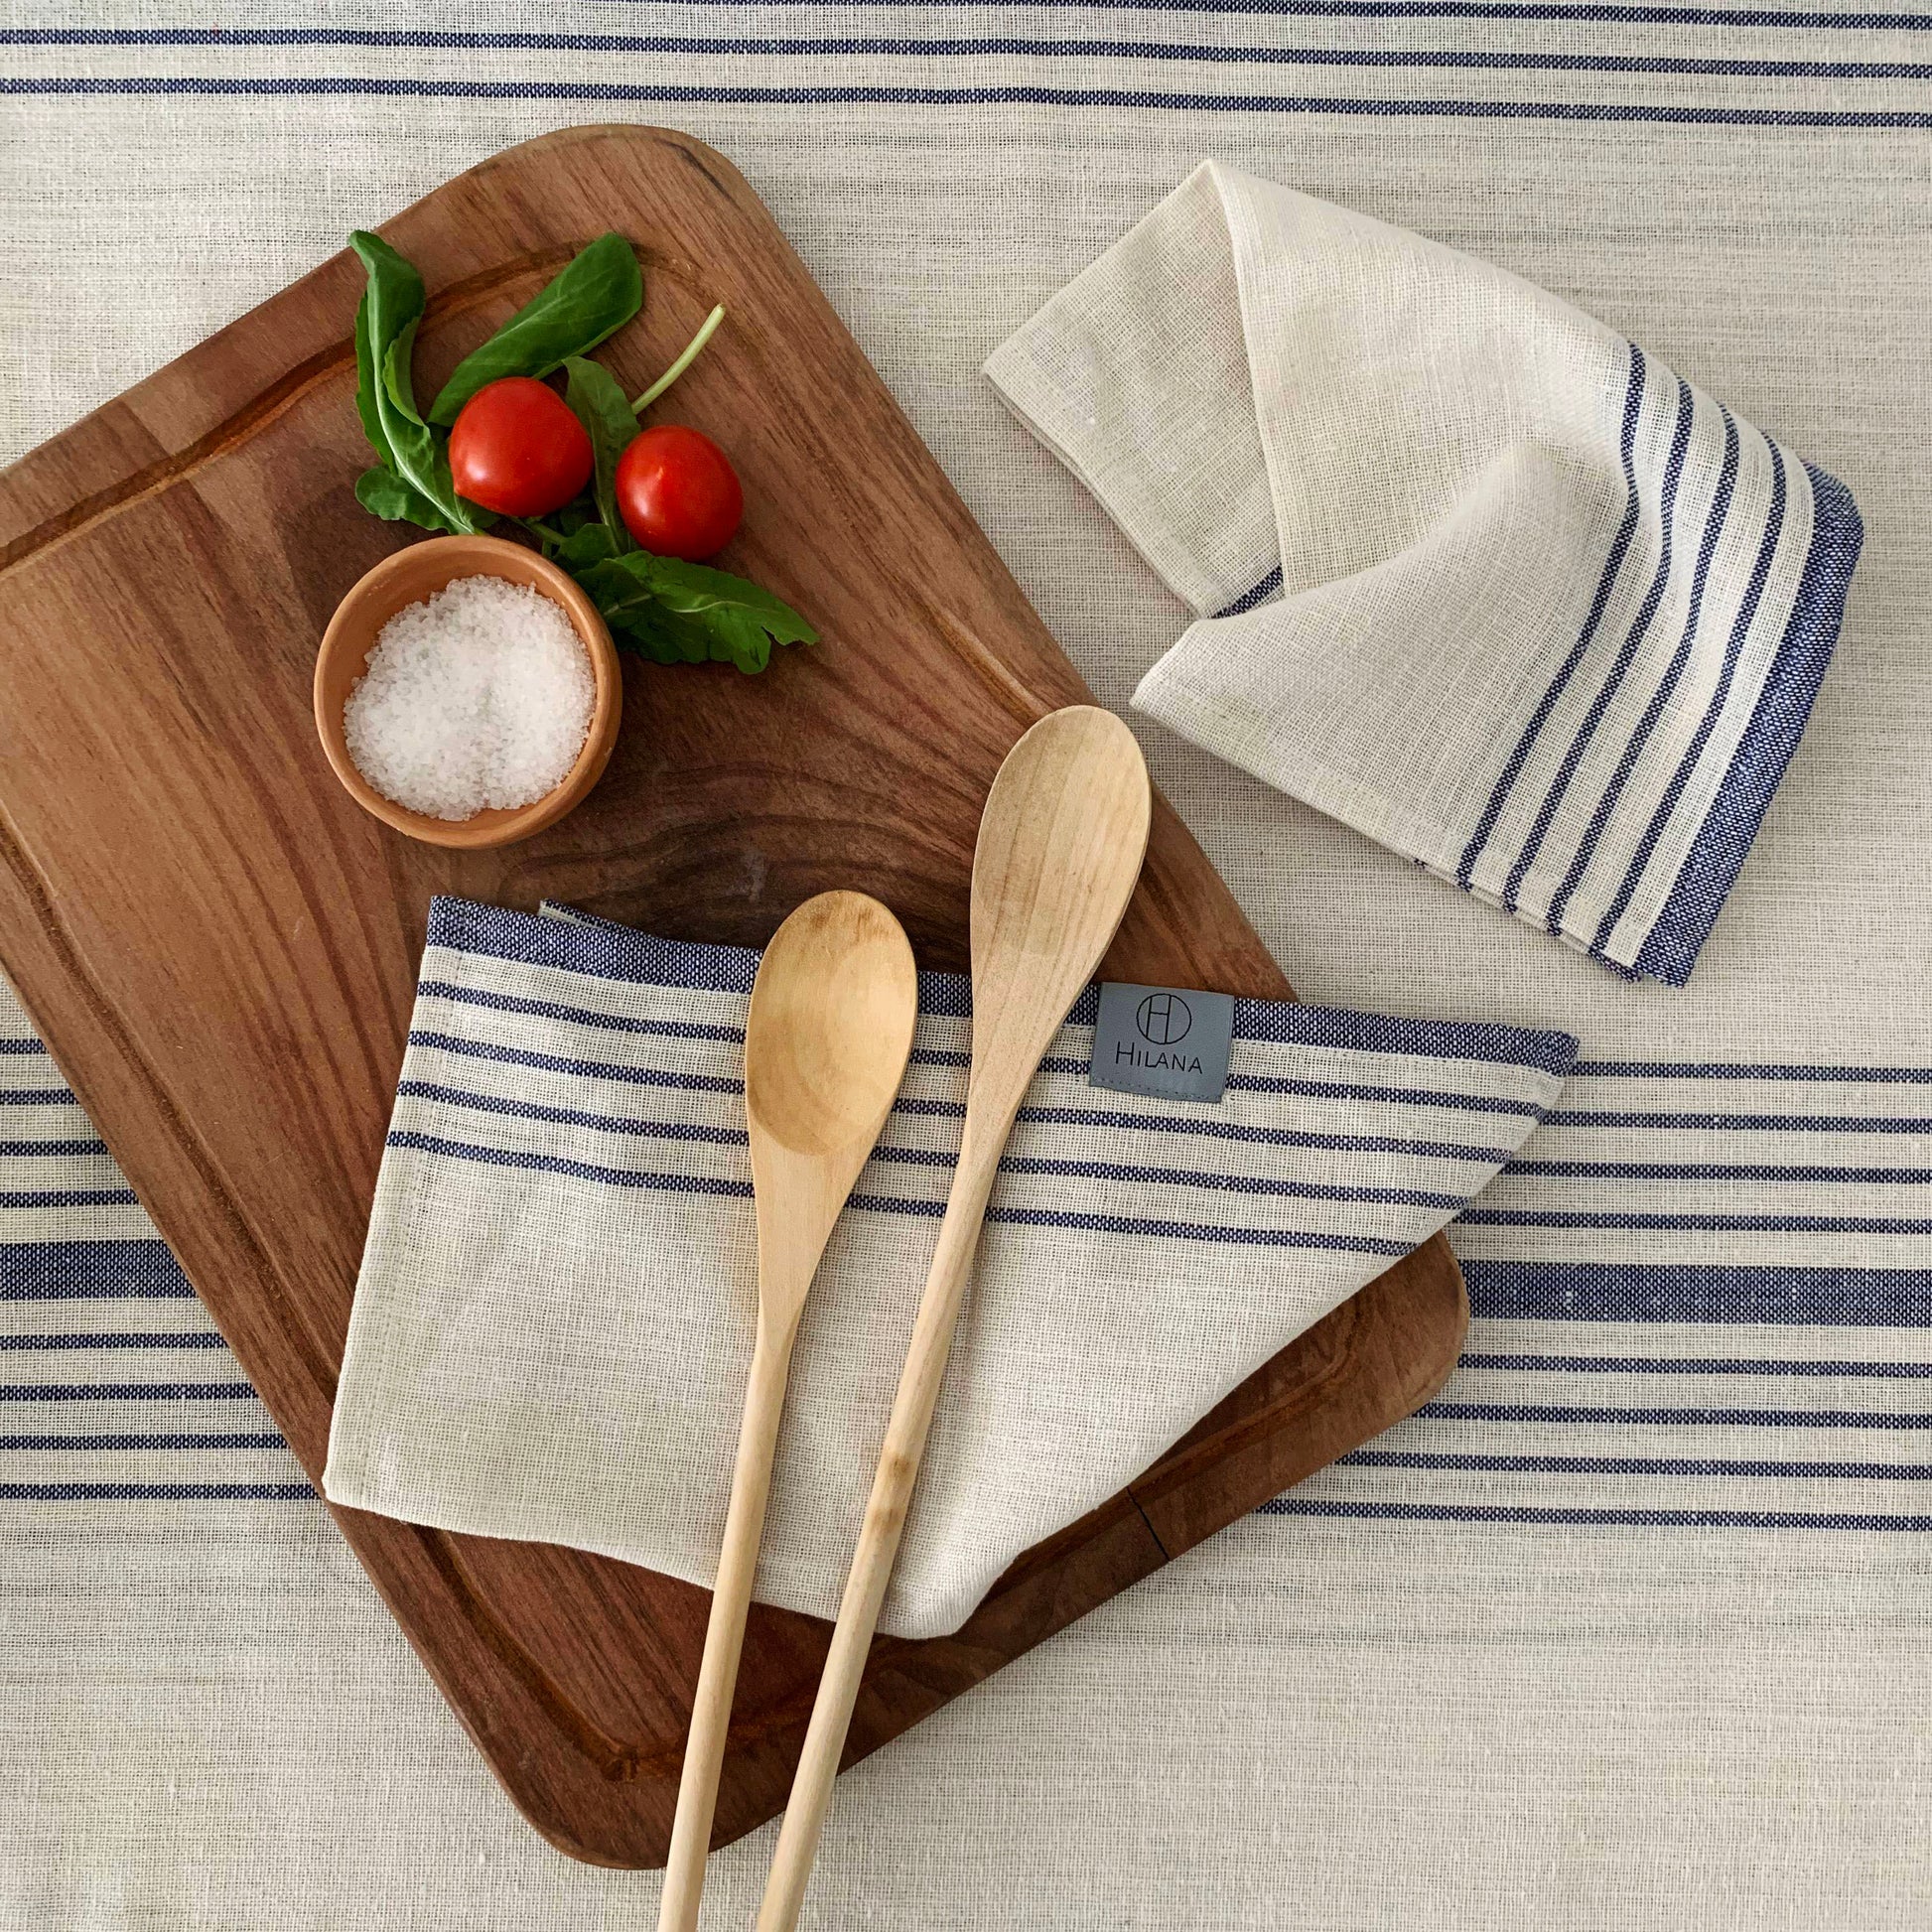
(688, 613)
(384, 494)
(593, 297)
(393, 301)
(698, 590)
(366, 382)
(590, 543)
(664, 642)
(599, 405)
(385, 332)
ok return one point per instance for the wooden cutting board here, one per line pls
(220, 948)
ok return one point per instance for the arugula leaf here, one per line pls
(599, 405)
(590, 299)
(365, 381)
(384, 494)
(385, 332)
(591, 542)
(687, 613)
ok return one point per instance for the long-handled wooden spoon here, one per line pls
(825, 1046)
(1059, 848)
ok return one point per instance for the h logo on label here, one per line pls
(1164, 1019)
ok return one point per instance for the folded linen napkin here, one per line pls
(1551, 620)
(555, 1314)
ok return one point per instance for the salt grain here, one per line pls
(477, 696)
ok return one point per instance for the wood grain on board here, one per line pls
(220, 948)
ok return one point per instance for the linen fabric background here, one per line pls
(1631, 1629)
(1549, 620)
(553, 1326)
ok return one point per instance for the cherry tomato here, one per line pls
(515, 447)
(678, 492)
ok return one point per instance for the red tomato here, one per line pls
(679, 494)
(515, 447)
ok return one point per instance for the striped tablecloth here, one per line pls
(1629, 1627)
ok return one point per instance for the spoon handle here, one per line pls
(724, 1637)
(879, 1540)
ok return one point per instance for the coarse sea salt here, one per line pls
(476, 698)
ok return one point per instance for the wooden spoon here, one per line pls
(1061, 846)
(825, 1047)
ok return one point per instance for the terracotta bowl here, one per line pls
(407, 578)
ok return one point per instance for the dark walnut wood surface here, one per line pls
(220, 948)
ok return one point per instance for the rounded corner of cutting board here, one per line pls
(714, 166)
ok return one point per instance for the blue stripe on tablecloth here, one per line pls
(42, 1150)
(68, 1270)
(1641, 736)
(1537, 1217)
(1751, 1070)
(70, 1198)
(241, 1440)
(1743, 1123)
(1693, 1365)
(1634, 395)
(1717, 1171)
(1610, 112)
(1636, 1466)
(145, 1339)
(948, 47)
(1626, 652)
(125, 1392)
(1768, 742)
(155, 1492)
(1538, 10)
(1692, 1293)
(1670, 1416)
(1656, 1519)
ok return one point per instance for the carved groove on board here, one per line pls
(1024, 704)
(260, 410)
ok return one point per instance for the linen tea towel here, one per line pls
(1550, 619)
(555, 1314)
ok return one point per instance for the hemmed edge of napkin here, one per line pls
(1769, 740)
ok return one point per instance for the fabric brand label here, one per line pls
(1160, 1039)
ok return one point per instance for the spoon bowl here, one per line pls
(826, 1042)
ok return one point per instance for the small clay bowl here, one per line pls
(408, 578)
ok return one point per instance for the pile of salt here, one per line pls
(477, 696)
